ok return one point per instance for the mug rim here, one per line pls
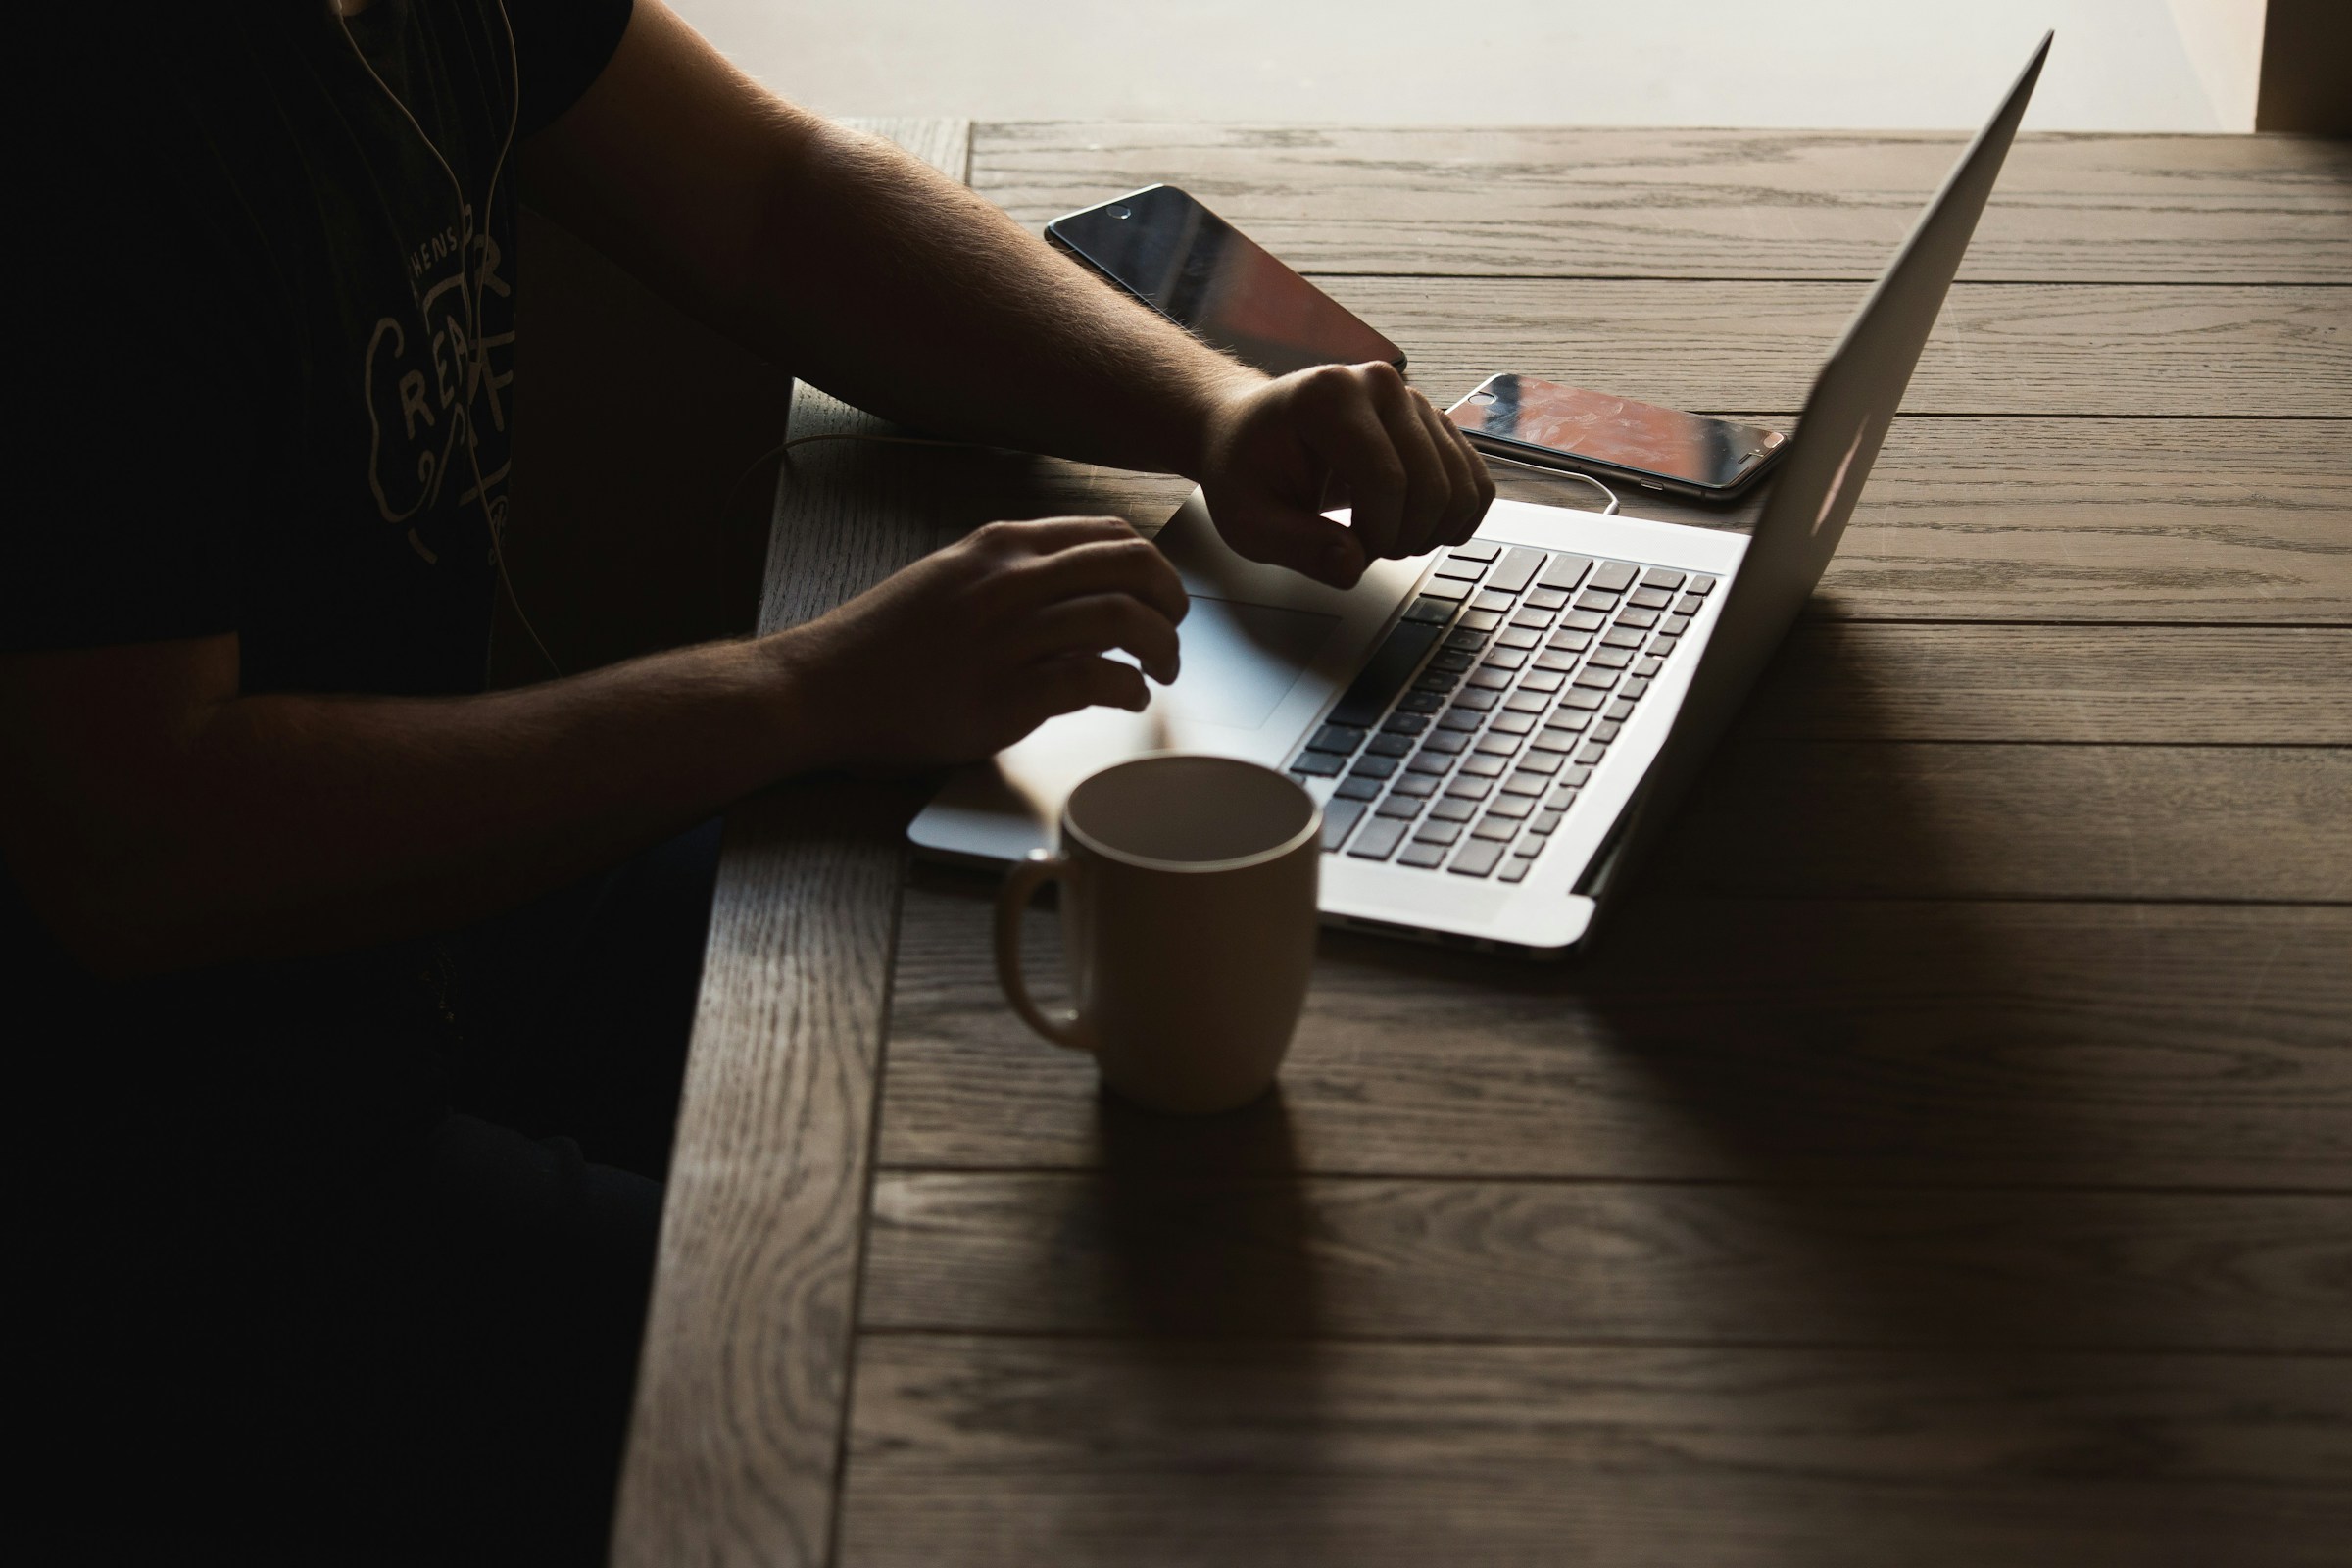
(1311, 831)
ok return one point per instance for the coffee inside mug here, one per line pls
(1195, 813)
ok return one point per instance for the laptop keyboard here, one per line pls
(1464, 740)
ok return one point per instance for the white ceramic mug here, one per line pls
(1188, 917)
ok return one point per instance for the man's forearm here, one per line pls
(926, 305)
(298, 823)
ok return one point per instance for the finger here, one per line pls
(1428, 487)
(1466, 481)
(1341, 425)
(1052, 687)
(1039, 536)
(1098, 623)
(1131, 564)
(1283, 535)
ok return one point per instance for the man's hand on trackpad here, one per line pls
(1277, 453)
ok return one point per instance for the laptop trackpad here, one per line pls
(1241, 660)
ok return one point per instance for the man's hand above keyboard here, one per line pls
(973, 647)
(1276, 454)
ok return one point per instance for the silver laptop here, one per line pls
(1497, 732)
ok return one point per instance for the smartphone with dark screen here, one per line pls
(1210, 278)
(1616, 438)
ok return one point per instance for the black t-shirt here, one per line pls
(272, 340)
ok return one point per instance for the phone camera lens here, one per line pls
(1482, 399)
(1120, 212)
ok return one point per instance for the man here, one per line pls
(287, 895)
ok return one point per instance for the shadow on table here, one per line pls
(1206, 1277)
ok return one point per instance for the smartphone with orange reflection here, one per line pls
(1556, 427)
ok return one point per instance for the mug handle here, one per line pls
(1020, 886)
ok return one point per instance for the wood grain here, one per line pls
(1711, 1039)
(735, 1439)
(1082, 1451)
(1912, 819)
(2130, 684)
(2053, 349)
(1640, 202)
(1130, 1249)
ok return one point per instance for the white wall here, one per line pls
(2118, 65)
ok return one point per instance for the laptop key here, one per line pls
(1357, 789)
(1510, 808)
(1545, 762)
(1477, 620)
(1412, 785)
(1467, 640)
(1635, 687)
(1494, 744)
(1524, 782)
(1385, 675)
(1373, 768)
(1511, 724)
(1675, 625)
(1460, 718)
(1475, 700)
(1598, 680)
(1534, 620)
(1516, 569)
(1562, 797)
(1386, 745)
(1594, 601)
(1435, 612)
(1460, 569)
(1443, 589)
(1545, 820)
(1403, 806)
(1434, 764)
(1437, 833)
(1494, 828)
(1593, 753)
(1452, 810)
(1489, 680)
(1620, 711)
(1648, 668)
(1492, 603)
(1476, 859)
(1403, 725)
(1338, 738)
(1559, 658)
(1542, 680)
(1665, 577)
(1515, 869)
(1688, 605)
(1475, 549)
(1530, 702)
(1642, 620)
(1614, 576)
(1547, 598)
(1622, 637)
(1445, 741)
(1470, 789)
(1608, 658)
(1583, 621)
(1378, 839)
(1420, 703)
(1453, 661)
(1421, 856)
(1318, 764)
(1650, 598)
(1338, 817)
(1607, 731)
(1482, 767)
(1519, 637)
(1565, 571)
(1699, 585)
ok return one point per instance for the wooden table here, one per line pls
(1949, 1161)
